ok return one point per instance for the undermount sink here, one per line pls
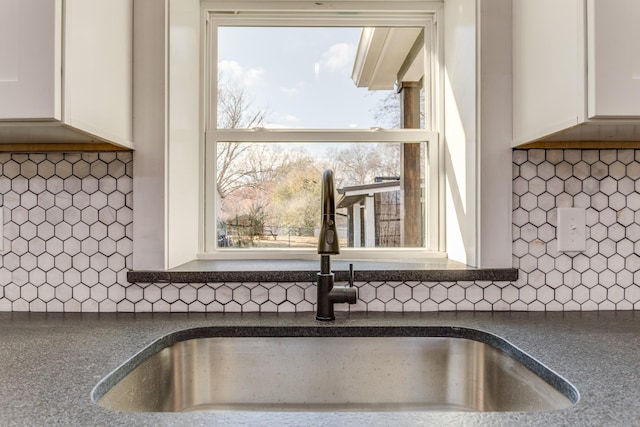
(368, 369)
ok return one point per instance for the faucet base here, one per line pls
(328, 294)
(325, 305)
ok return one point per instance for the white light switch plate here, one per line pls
(571, 232)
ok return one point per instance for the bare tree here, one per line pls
(387, 111)
(247, 164)
(235, 110)
(358, 164)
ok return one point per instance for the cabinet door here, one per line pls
(548, 67)
(98, 63)
(613, 31)
(30, 43)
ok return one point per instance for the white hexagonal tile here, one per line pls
(573, 186)
(28, 230)
(608, 186)
(171, 294)
(615, 263)
(107, 215)
(546, 170)
(599, 170)
(581, 294)
(554, 156)
(598, 294)
(632, 262)
(107, 185)
(98, 262)
(555, 186)
(520, 156)
(608, 217)
(633, 170)
(626, 185)
(402, 292)
(581, 170)
(632, 294)
(529, 201)
(277, 295)
(153, 293)
(617, 201)
(492, 294)
(617, 170)
(242, 294)
(538, 217)
(528, 170)
(546, 201)
(99, 169)
(384, 293)
(608, 156)
(537, 186)
(520, 217)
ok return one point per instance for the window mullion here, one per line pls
(280, 135)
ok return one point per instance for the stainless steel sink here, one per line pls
(456, 370)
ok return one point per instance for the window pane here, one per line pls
(268, 194)
(315, 78)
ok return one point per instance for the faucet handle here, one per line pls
(352, 275)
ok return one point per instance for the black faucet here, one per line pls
(328, 245)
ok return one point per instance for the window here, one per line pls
(294, 91)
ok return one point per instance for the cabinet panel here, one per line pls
(30, 58)
(66, 73)
(614, 58)
(98, 62)
(548, 93)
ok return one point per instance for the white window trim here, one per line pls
(305, 13)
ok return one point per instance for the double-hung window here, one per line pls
(296, 87)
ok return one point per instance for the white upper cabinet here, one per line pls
(613, 58)
(576, 70)
(66, 72)
(30, 34)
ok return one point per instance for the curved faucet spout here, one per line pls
(328, 243)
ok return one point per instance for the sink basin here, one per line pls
(405, 369)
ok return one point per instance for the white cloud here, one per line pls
(290, 118)
(339, 56)
(232, 70)
(253, 76)
(290, 91)
(283, 121)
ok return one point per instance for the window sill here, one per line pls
(263, 271)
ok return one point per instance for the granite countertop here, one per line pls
(53, 361)
(292, 270)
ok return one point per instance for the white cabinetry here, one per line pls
(613, 41)
(66, 73)
(576, 70)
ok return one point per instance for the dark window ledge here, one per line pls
(264, 271)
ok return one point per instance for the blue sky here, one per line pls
(301, 75)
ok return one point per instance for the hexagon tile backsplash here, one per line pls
(605, 276)
(68, 227)
(68, 243)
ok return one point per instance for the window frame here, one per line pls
(305, 14)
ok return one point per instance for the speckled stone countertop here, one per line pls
(51, 363)
(431, 270)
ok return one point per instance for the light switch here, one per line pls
(571, 232)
